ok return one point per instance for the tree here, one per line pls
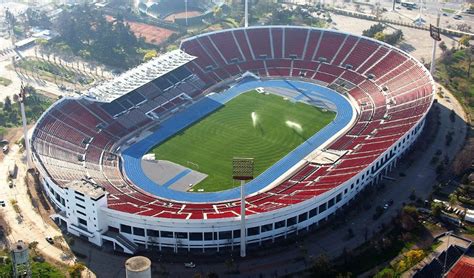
(150, 55)
(76, 270)
(217, 11)
(374, 29)
(386, 273)
(436, 209)
(443, 46)
(464, 41)
(37, 18)
(33, 245)
(380, 36)
(394, 37)
(469, 54)
(7, 105)
(322, 268)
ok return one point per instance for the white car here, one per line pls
(189, 265)
(2, 203)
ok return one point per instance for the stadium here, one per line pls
(136, 162)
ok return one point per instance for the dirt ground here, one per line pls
(172, 17)
(12, 135)
(152, 34)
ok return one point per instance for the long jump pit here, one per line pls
(171, 175)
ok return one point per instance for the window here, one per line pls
(207, 236)
(81, 213)
(152, 233)
(125, 229)
(313, 212)
(79, 199)
(291, 221)
(79, 193)
(338, 197)
(82, 221)
(331, 203)
(166, 234)
(266, 228)
(181, 235)
(280, 224)
(253, 231)
(225, 235)
(236, 233)
(302, 217)
(195, 236)
(322, 208)
(138, 231)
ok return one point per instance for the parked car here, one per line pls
(10, 183)
(189, 265)
(2, 203)
(457, 16)
(49, 240)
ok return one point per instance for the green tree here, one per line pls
(321, 267)
(443, 46)
(386, 273)
(436, 209)
(76, 270)
(150, 55)
(380, 36)
(374, 29)
(7, 105)
(37, 18)
(464, 40)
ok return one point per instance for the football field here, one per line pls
(265, 127)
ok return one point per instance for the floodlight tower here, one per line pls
(242, 169)
(186, 10)
(435, 34)
(246, 16)
(22, 98)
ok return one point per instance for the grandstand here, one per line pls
(381, 95)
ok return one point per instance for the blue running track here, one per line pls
(132, 156)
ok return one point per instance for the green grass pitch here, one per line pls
(229, 132)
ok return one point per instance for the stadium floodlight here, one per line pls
(242, 169)
(22, 98)
(435, 35)
(246, 15)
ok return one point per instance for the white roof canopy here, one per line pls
(139, 76)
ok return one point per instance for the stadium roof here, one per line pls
(139, 76)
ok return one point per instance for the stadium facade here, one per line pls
(79, 144)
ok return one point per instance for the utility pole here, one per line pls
(446, 253)
(434, 32)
